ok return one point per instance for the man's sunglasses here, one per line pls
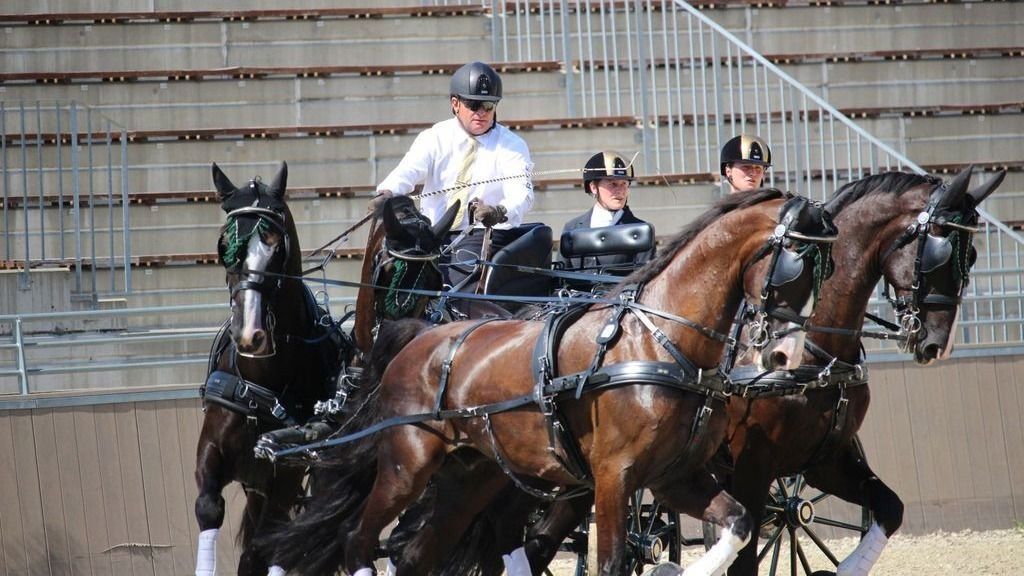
(476, 105)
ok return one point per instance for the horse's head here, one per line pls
(408, 258)
(783, 282)
(256, 238)
(929, 263)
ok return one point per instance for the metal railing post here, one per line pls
(22, 365)
(76, 194)
(59, 143)
(570, 81)
(6, 180)
(126, 215)
(110, 206)
(642, 60)
(23, 276)
(495, 36)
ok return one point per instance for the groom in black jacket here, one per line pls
(606, 178)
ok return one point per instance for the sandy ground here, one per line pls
(991, 553)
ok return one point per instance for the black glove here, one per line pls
(377, 201)
(489, 215)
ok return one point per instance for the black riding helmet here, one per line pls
(476, 81)
(746, 148)
(603, 165)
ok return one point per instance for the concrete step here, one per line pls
(454, 38)
(188, 231)
(193, 228)
(160, 103)
(263, 43)
(289, 100)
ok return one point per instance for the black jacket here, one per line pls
(624, 261)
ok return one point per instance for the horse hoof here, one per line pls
(823, 573)
(665, 569)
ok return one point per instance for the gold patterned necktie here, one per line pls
(463, 178)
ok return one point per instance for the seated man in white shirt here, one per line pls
(606, 178)
(474, 150)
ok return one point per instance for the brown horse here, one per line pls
(620, 438)
(914, 233)
(401, 255)
(774, 429)
(273, 360)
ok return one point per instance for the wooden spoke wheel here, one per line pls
(790, 532)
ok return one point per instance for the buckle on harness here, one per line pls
(826, 372)
(278, 411)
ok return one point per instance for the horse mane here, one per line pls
(723, 206)
(895, 183)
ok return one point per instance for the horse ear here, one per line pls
(277, 187)
(224, 186)
(956, 189)
(393, 229)
(982, 192)
(447, 220)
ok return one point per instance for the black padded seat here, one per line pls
(626, 240)
(532, 248)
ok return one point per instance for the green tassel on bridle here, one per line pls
(235, 245)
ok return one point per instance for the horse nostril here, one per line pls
(931, 351)
(257, 339)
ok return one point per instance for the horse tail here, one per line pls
(314, 541)
(498, 529)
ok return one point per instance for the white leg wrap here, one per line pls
(864, 556)
(391, 571)
(206, 554)
(275, 571)
(516, 563)
(364, 572)
(716, 560)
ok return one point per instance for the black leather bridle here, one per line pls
(937, 257)
(266, 285)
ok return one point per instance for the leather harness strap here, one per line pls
(446, 365)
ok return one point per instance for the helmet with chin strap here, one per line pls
(476, 81)
(604, 165)
(746, 148)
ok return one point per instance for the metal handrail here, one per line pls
(20, 341)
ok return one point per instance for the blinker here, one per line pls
(788, 267)
(937, 252)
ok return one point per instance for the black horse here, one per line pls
(277, 355)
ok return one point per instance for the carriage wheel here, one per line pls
(651, 530)
(794, 510)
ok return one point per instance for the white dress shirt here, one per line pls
(435, 158)
(601, 217)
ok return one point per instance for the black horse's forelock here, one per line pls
(895, 183)
(723, 206)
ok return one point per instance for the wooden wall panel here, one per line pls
(188, 432)
(136, 514)
(92, 491)
(69, 482)
(29, 498)
(112, 486)
(178, 518)
(11, 528)
(1011, 408)
(963, 445)
(159, 538)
